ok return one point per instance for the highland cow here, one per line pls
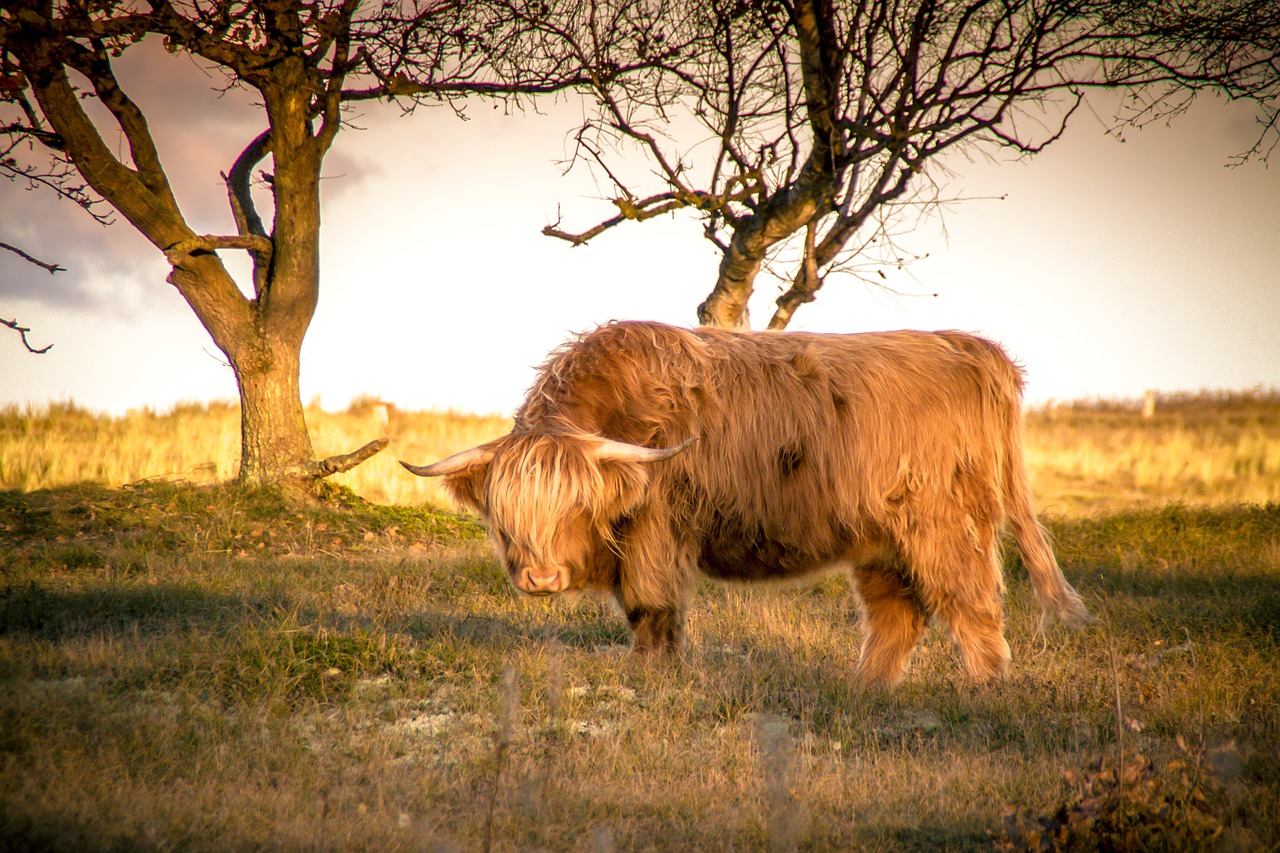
(644, 454)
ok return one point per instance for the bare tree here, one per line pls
(797, 130)
(304, 60)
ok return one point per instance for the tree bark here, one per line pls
(786, 213)
(726, 307)
(274, 443)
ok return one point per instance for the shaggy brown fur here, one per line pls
(897, 453)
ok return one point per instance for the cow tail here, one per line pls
(1058, 600)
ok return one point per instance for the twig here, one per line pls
(52, 268)
(22, 330)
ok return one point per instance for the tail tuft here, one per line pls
(1057, 598)
(1069, 610)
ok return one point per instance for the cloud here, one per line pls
(55, 231)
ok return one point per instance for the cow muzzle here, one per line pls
(541, 581)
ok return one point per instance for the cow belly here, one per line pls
(734, 555)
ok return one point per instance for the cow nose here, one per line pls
(542, 580)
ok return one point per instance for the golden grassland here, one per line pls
(1205, 448)
(63, 444)
(201, 667)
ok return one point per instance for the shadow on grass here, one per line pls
(1233, 607)
(39, 611)
(499, 633)
(1211, 572)
(35, 610)
(20, 829)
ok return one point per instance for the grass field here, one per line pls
(186, 665)
(1210, 448)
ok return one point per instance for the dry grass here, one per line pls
(204, 668)
(1101, 455)
(1207, 448)
(62, 444)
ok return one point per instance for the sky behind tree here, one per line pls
(1106, 268)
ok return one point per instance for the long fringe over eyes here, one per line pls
(537, 481)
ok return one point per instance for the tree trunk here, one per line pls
(786, 214)
(274, 443)
(726, 306)
(263, 349)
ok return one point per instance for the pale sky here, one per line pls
(1106, 270)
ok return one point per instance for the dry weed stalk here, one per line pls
(785, 813)
(508, 722)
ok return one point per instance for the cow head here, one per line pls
(549, 499)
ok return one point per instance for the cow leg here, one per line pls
(892, 622)
(654, 578)
(960, 581)
(657, 630)
(978, 629)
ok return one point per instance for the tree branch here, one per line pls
(347, 461)
(583, 237)
(639, 211)
(336, 31)
(52, 268)
(96, 66)
(244, 211)
(22, 330)
(804, 288)
(209, 243)
(156, 217)
(239, 185)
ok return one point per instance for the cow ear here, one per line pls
(625, 486)
(626, 470)
(463, 475)
(467, 487)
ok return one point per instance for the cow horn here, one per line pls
(619, 451)
(455, 463)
